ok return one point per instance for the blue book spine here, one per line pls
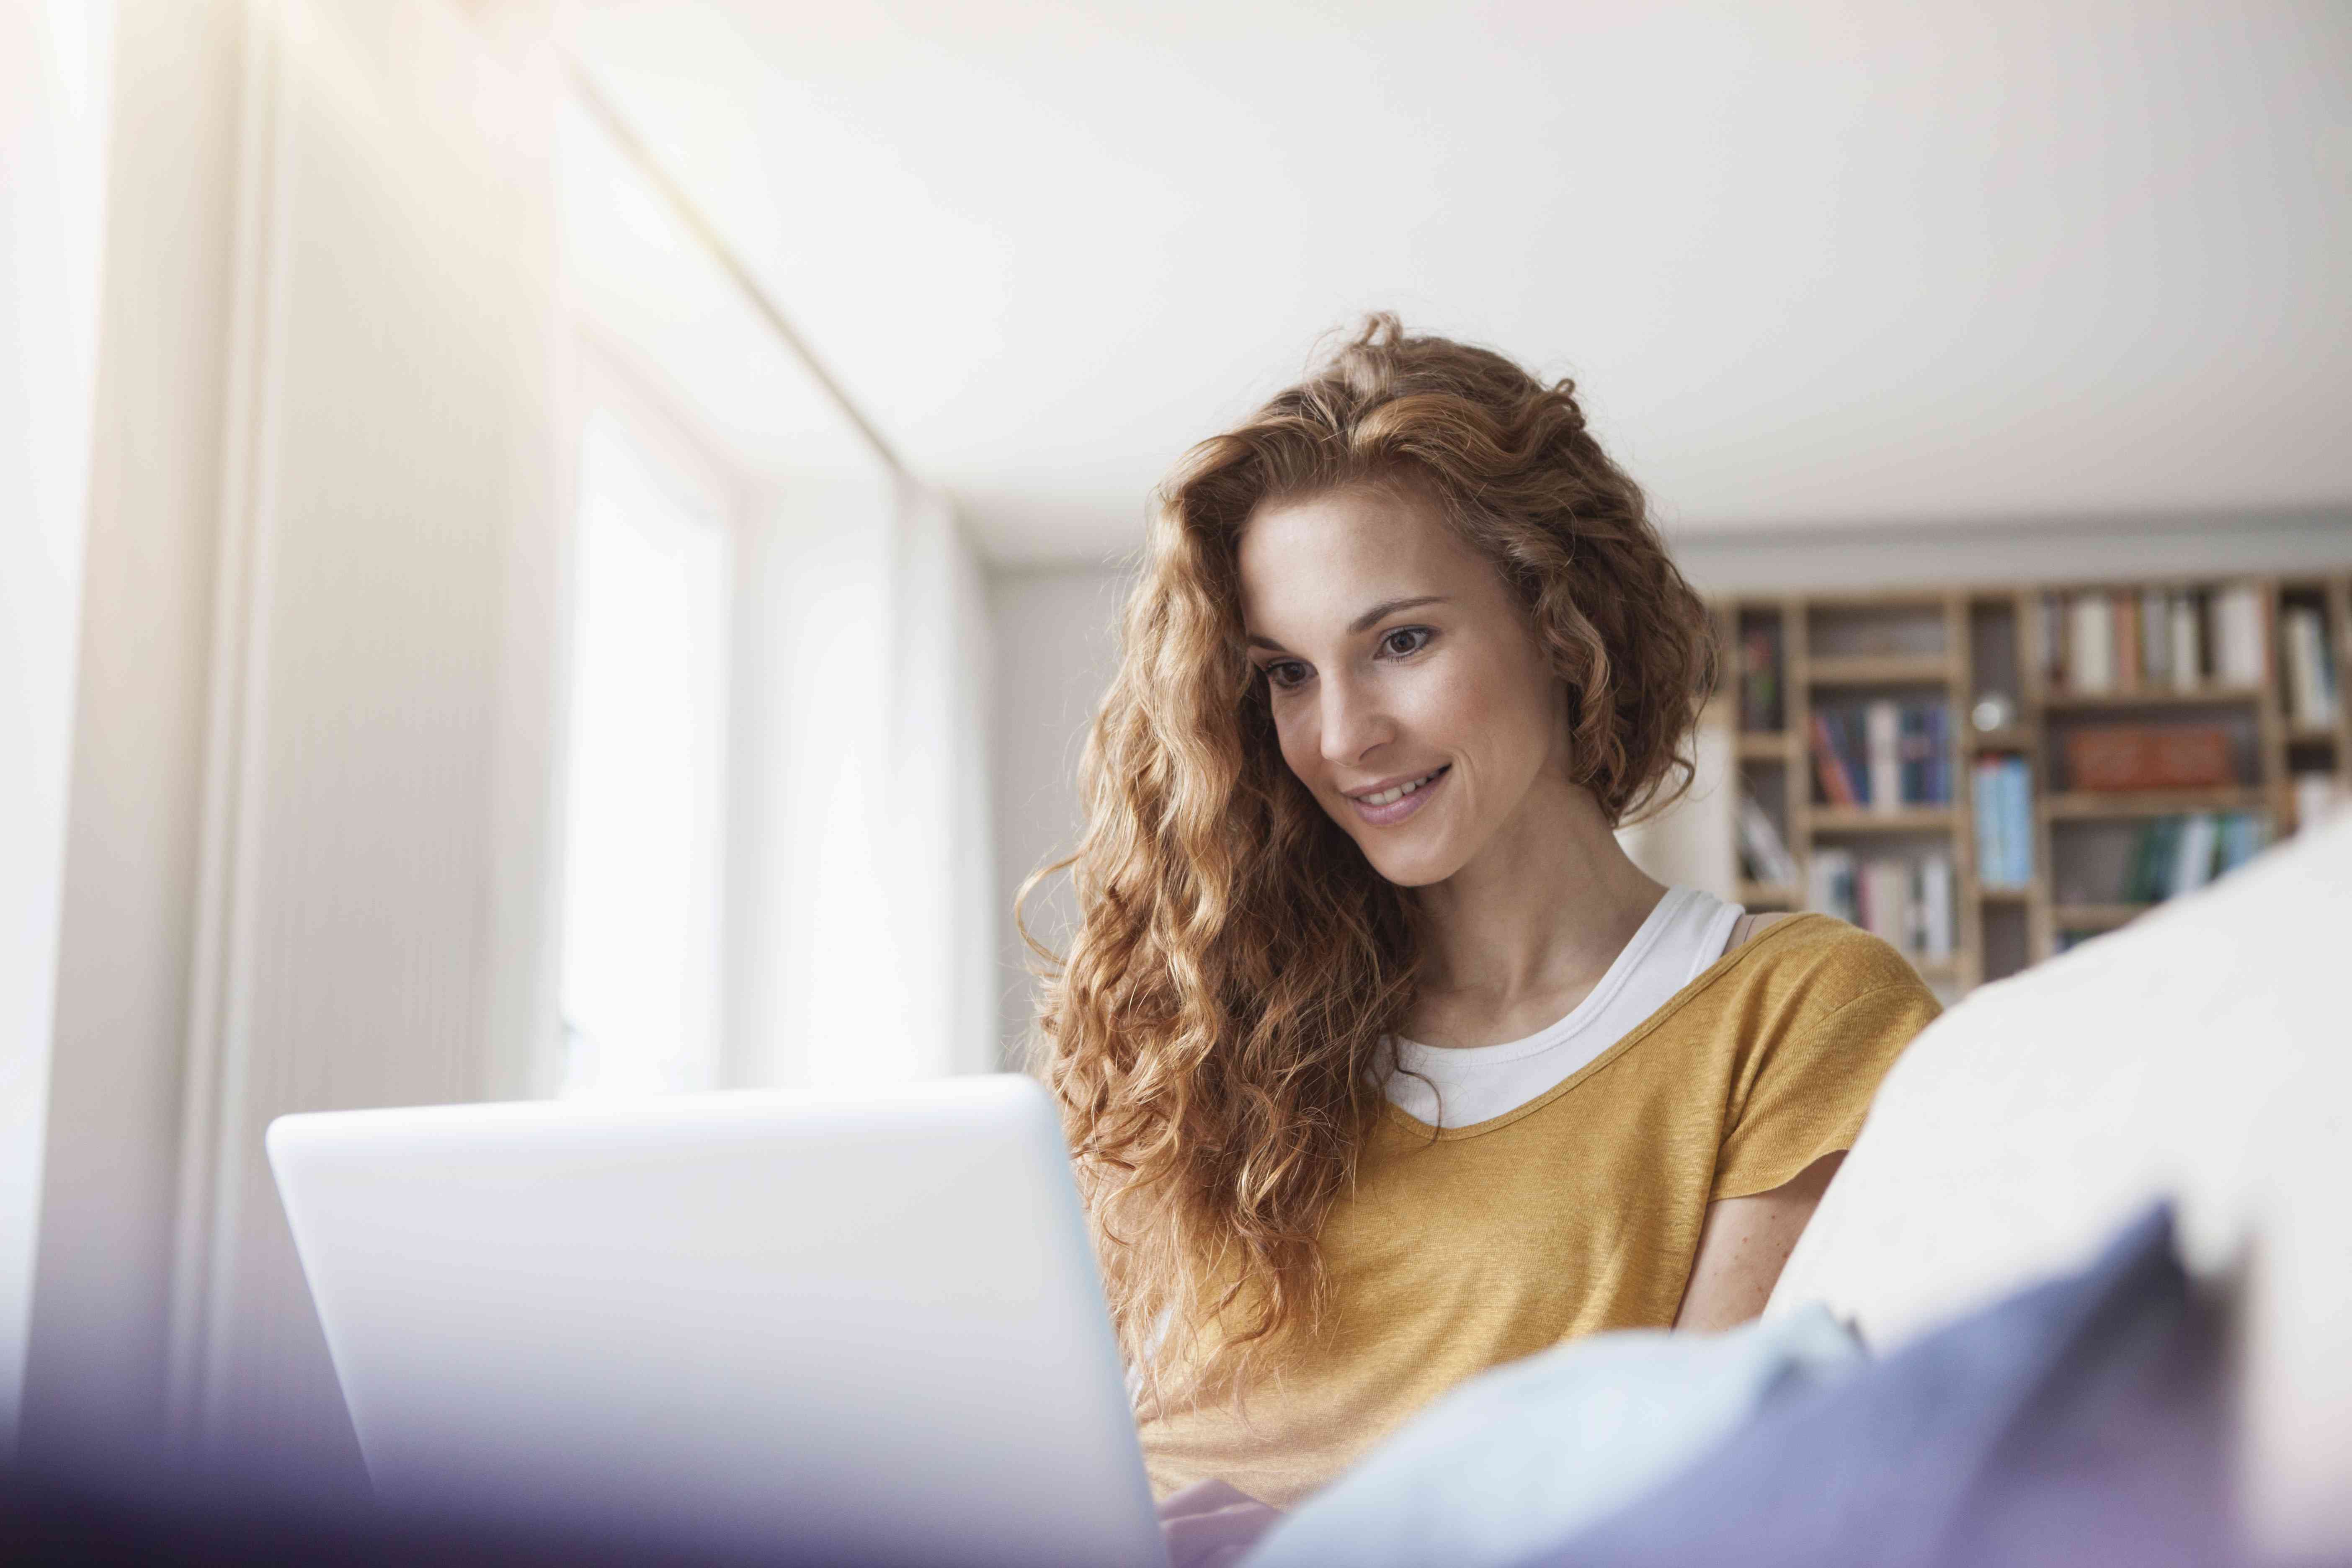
(1992, 854)
(2020, 836)
(1939, 754)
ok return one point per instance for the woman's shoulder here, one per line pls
(1820, 959)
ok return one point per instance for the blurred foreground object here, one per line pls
(2200, 1055)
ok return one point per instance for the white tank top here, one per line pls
(1458, 1087)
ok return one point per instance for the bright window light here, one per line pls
(641, 904)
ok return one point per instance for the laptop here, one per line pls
(824, 1328)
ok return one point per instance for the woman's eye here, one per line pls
(1405, 640)
(1284, 676)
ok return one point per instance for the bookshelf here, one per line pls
(2209, 677)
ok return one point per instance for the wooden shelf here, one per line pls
(1991, 637)
(1882, 669)
(2152, 697)
(2096, 917)
(2085, 805)
(1871, 819)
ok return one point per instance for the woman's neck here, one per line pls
(1521, 934)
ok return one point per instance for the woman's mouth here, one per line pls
(1391, 804)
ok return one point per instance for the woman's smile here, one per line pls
(1386, 805)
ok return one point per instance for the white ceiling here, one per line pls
(1810, 263)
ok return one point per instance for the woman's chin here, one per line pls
(1412, 866)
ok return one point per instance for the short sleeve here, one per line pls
(1809, 1092)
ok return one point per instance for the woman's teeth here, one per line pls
(1390, 796)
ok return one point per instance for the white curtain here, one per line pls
(54, 80)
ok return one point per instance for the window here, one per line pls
(646, 777)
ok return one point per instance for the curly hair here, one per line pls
(1218, 1032)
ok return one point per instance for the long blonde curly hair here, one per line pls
(1218, 1032)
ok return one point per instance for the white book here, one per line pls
(1883, 734)
(2308, 697)
(2090, 642)
(2238, 632)
(1886, 913)
(2192, 864)
(1936, 915)
(1768, 852)
(2188, 659)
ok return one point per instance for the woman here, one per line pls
(1381, 1062)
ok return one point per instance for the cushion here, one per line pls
(2202, 1054)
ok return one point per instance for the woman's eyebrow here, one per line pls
(1387, 607)
(1364, 622)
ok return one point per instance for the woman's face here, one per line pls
(1407, 686)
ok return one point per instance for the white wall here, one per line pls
(55, 82)
(1055, 653)
(1056, 646)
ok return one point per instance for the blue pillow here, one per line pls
(2077, 1422)
(1522, 1455)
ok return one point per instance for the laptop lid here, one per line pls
(867, 1327)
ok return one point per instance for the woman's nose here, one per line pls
(1354, 723)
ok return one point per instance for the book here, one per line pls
(2240, 651)
(2187, 660)
(1940, 753)
(1882, 889)
(2310, 677)
(2154, 637)
(1829, 884)
(1883, 734)
(2091, 643)
(1760, 681)
(2017, 800)
(2004, 822)
(1766, 851)
(2243, 837)
(1838, 784)
(2154, 853)
(1991, 822)
(1926, 745)
(2147, 756)
(2193, 855)
(2125, 613)
(1937, 916)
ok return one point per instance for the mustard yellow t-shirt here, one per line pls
(1575, 1213)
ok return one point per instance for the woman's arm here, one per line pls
(1744, 1244)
